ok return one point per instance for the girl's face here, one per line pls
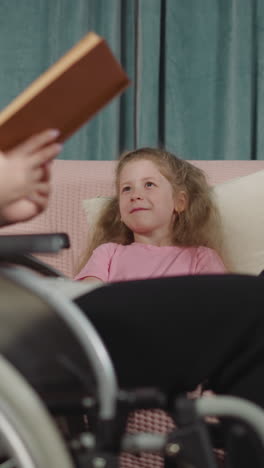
(147, 202)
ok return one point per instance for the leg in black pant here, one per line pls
(174, 333)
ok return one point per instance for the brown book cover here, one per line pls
(67, 95)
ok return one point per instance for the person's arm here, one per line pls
(25, 177)
(98, 266)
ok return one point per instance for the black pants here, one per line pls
(174, 333)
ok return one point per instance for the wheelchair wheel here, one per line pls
(28, 435)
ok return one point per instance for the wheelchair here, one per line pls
(60, 402)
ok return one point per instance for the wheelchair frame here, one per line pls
(101, 447)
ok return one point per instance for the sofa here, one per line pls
(238, 186)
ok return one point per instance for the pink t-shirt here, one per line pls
(114, 262)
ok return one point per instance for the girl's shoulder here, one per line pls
(107, 247)
(210, 258)
(112, 248)
(203, 250)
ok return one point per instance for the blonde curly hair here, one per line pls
(197, 225)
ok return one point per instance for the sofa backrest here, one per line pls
(74, 181)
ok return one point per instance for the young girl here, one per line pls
(179, 330)
(162, 222)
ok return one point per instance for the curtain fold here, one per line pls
(196, 69)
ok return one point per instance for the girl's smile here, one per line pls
(138, 209)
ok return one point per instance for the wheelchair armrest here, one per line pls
(30, 243)
(16, 249)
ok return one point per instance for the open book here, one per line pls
(67, 95)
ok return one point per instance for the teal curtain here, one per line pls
(196, 68)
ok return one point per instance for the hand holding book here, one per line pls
(66, 96)
(25, 177)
